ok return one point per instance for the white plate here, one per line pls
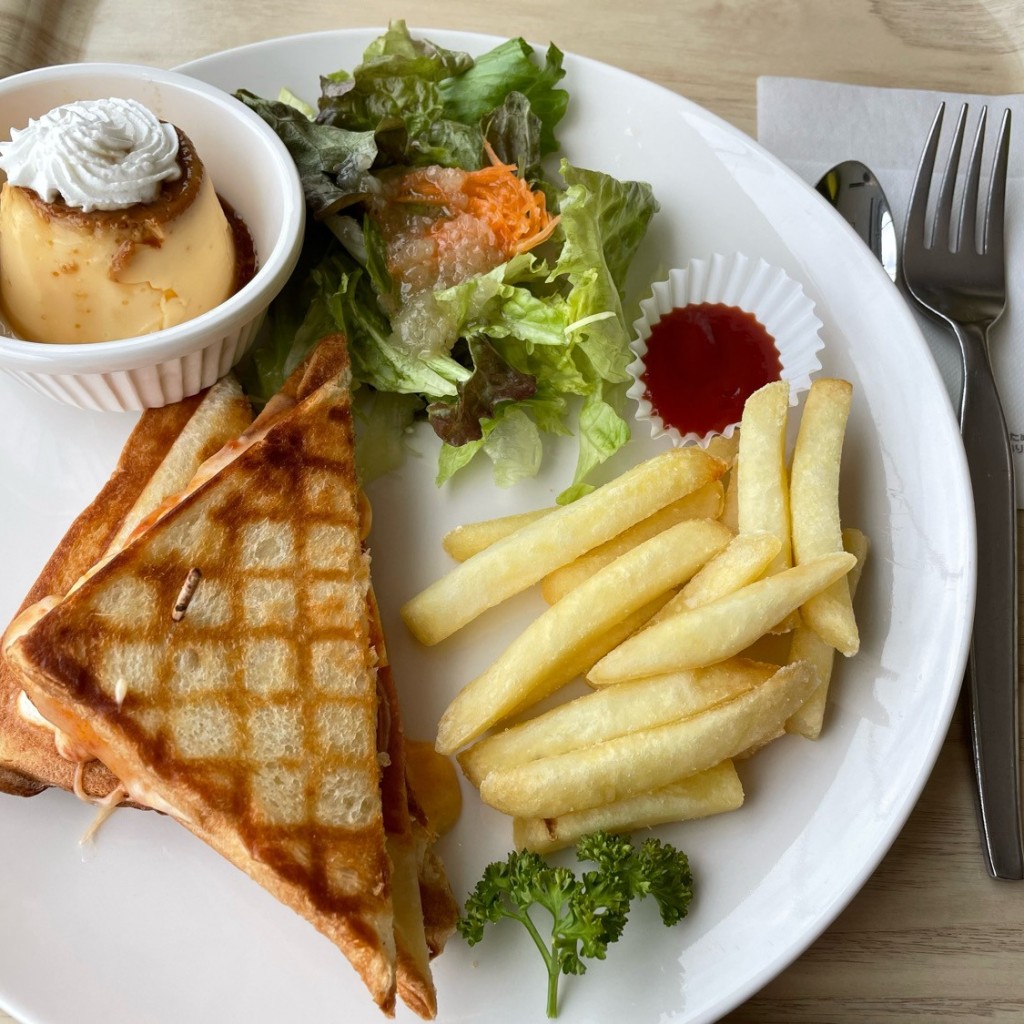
(151, 926)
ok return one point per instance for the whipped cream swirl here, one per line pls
(95, 154)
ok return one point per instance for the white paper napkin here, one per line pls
(811, 126)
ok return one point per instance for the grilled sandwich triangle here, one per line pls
(223, 666)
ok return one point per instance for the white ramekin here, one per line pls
(776, 301)
(249, 167)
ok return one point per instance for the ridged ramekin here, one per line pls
(775, 300)
(251, 170)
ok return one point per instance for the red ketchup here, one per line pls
(703, 362)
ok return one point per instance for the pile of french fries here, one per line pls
(702, 594)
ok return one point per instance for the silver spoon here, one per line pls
(855, 192)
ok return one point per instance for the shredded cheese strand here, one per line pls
(106, 806)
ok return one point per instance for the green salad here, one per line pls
(477, 290)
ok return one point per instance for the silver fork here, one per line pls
(963, 282)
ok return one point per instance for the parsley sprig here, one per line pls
(588, 913)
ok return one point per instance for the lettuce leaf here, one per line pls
(493, 380)
(395, 94)
(510, 67)
(513, 131)
(295, 322)
(332, 162)
(514, 447)
(602, 432)
(383, 419)
(603, 221)
(376, 360)
(501, 303)
(510, 439)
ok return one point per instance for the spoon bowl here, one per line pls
(854, 191)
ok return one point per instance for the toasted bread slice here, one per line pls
(162, 453)
(440, 911)
(415, 983)
(251, 716)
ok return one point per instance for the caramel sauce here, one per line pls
(140, 220)
(245, 248)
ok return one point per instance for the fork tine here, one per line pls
(914, 231)
(941, 233)
(992, 243)
(968, 233)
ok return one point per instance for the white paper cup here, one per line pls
(775, 300)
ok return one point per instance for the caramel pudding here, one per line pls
(135, 243)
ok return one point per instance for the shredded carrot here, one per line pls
(494, 195)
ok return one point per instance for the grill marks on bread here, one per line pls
(204, 694)
(255, 716)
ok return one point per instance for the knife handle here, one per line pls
(992, 668)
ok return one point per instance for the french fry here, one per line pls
(557, 636)
(466, 540)
(773, 648)
(520, 560)
(725, 448)
(730, 509)
(613, 711)
(744, 755)
(704, 503)
(594, 650)
(713, 632)
(742, 562)
(714, 791)
(762, 487)
(745, 560)
(807, 645)
(814, 504)
(640, 761)
(588, 656)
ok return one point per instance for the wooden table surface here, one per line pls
(931, 936)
